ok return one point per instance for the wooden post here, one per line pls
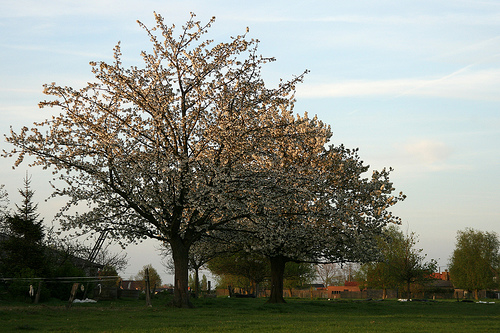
(73, 294)
(148, 292)
(37, 297)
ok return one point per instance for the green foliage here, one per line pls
(247, 270)
(297, 275)
(475, 262)
(191, 282)
(28, 259)
(402, 264)
(204, 283)
(154, 277)
(62, 289)
(27, 211)
(19, 287)
(234, 281)
(23, 250)
(239, 270)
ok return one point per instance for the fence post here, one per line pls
(148, 292)
(37, 297)
(73, 294)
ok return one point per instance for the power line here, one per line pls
(65, 279)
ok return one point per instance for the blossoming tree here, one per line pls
(318, 208)
(162, 151)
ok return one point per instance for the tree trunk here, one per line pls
(277, 272)
(196, 283)
(148, 290)
(38, 291)
(180, 255)
(408, 295)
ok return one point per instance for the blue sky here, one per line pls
(414, 84)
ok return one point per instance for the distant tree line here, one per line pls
(473, 266)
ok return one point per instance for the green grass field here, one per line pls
(253, 315)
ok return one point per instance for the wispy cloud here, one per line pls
(55, 8)
(461, 84)
(54, 50)
(484, 50)
(386, 20)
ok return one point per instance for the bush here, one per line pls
(61, 289)
(24, 287)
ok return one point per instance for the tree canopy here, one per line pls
(475, 262)
(23, 249)
(154, 277)
(320, 209)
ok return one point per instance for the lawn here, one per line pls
(252, 315)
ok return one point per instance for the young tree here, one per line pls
(154, 277)
(22, 252)
(409, 266)
(204, 283)
(163, 151)
(376, 275)
(24, 246)
(327, 273)
(248, 270)
(475, 262)
(401, 264)
(105, 257)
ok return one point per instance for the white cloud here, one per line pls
(428, 151)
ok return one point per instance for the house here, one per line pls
(444, 276)
(350, 289)
(131, 285)
(130, 288)
(350, 286)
